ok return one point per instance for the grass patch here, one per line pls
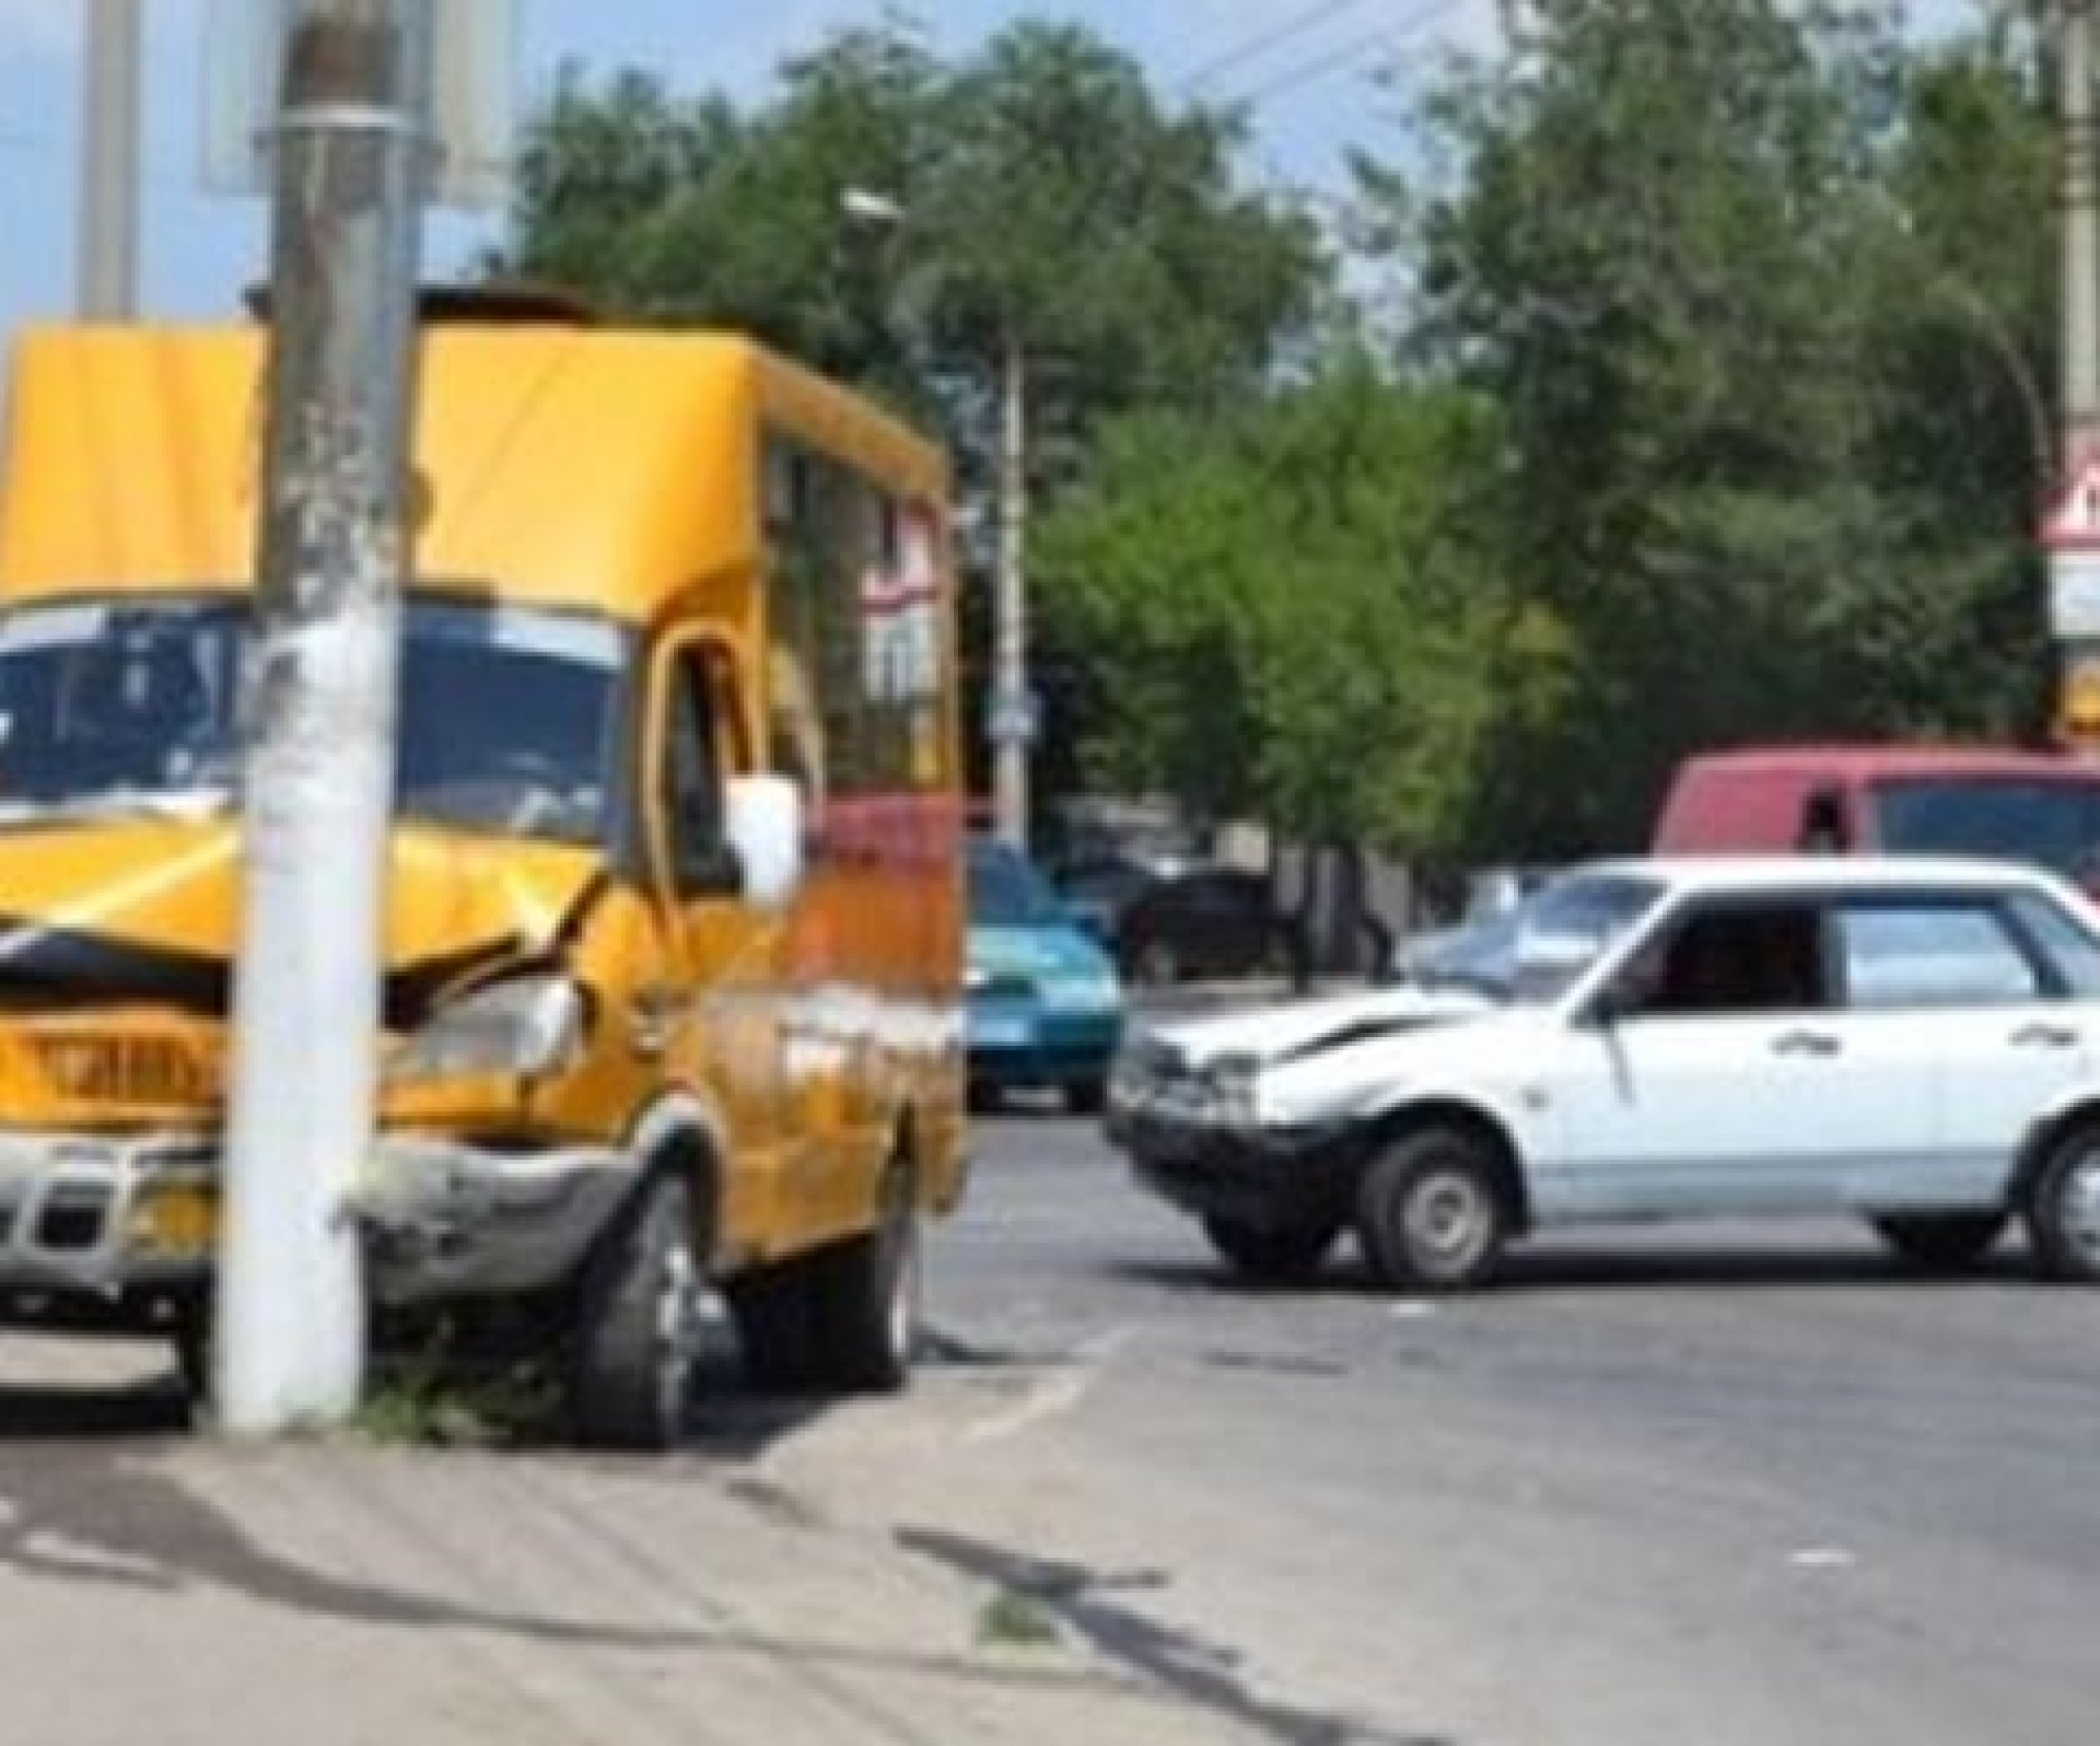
(422, 1403)
(1012, 1620)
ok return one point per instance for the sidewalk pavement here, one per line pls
(157, 1585)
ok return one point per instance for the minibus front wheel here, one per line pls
(640, 1324)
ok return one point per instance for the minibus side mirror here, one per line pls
(764, 820)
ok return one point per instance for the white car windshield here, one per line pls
(1536, 952)
(507, 718)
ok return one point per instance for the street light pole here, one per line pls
(2081, 384)
(2075, 612)
(351, 156)
(109, 240)
(1012, 710)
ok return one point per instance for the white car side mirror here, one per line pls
(764, 821)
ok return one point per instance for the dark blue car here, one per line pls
(1046, 1007)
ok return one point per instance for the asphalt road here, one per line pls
(1727, 1487)
(1713, 1485)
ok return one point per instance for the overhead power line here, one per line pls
(1335, 60)
(1249, 47)
(1355, 53)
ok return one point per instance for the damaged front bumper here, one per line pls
(446, 1219)
(109, 1217)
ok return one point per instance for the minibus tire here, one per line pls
(870, 1292)
(775, 1313)
(637, 1328)
(842, 1320)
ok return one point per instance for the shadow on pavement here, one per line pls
(102, 1515)
(1093, 1605)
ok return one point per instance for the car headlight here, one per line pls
(512, 1030)
(1229, 1087)
(1089, 991)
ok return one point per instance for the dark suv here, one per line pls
(1168, 923)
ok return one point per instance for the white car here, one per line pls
(1914, 1041)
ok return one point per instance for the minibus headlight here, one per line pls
(514, 1029)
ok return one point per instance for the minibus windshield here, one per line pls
(507, 717)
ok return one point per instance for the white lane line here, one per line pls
(1053, 1395)
(1822, 1557)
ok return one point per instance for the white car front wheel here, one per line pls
(1433, 1212)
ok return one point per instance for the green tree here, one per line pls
(600, 171)
(1290, 616)
(1048, 198)
(1962, 280)
(1650, 264)
(1074, 214)
(1057, 223)
(690, 213)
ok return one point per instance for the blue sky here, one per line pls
(1312, 86)
(1304, 66)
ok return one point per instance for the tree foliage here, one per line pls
(1699, 258)
(1303, 628)
(1043, 196)
(1718, 409)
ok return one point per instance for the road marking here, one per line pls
(1822, 1557)
(1053, 1395)
(1412, 1311)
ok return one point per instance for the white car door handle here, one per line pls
(1805, 1043)
(2044, 1036)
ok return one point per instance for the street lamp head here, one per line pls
(871, 208)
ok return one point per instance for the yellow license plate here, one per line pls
(175, 1221)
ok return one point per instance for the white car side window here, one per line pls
(1734, 957)
(1906, 957)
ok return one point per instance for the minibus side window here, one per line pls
(696, 738)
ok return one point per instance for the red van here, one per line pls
(2027, 806)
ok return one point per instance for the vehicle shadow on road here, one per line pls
(1600, 1266)
(736, 1421)
(148, 1409)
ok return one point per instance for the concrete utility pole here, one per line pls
(2073, 604)
(351, 158)
(1012, 716)
(109, 240)
(2081, 230)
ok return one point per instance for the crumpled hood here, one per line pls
(1299, 1027)
(150, 913)
(1036, 954)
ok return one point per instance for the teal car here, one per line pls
(1045, 1009)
